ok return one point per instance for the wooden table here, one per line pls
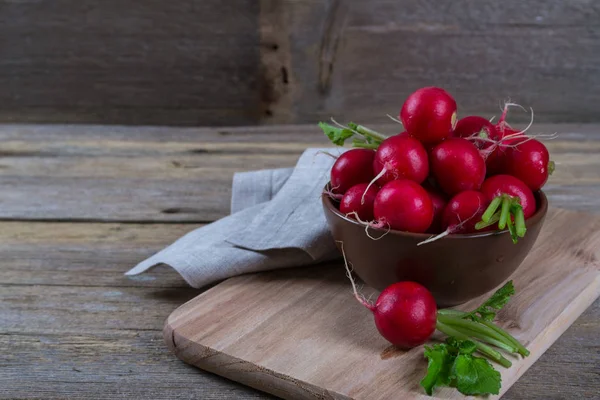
(80, 205)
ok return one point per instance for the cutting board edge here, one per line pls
(278, 384)
(241, 371)
(551, 334)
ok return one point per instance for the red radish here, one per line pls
(439, 203)
(457, 166)
(352, 201)
(505, 137)
(461, 214)
(505, 184)
(474, 127)
(404, 205)
(400, 156)
(405, 312)
(463, 211)
(352, 167)
(530, 162)
(429, 114)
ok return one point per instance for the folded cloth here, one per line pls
(276, 221)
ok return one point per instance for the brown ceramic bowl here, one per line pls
(455, 268)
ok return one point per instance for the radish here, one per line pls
(495, 153)
(457, 166)
(474, 127)
(463, 211)
(352, 204)
(498, 185)
(403, 205)
(405, 312)
(429, 114)
(530, 162)
(439, 203)
(514, 201)
(461, 214)
(400, 156)
(352, 167)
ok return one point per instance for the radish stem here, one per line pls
(551, 167)
(504, 213)
(363, 130)
(519, 220)
(520, 348)
(483, 348)
(482, 330)
(508, 347)
(487, 215)
(495, 218)
(365, 145)
(512, 230)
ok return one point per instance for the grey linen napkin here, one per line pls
(276, 221)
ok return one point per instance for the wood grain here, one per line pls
(294, 61)
(119, 174)
(97, 353)
(152, 62)
(300, 335)
(482, 53)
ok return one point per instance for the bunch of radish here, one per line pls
(440, 175)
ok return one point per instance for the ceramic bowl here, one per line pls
(455, 268)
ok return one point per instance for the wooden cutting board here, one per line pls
(299, 333)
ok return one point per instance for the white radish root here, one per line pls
(361, 299)
(372, 224)
(379, 175)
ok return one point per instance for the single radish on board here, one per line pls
(529, 161)
(474, 127)
(398, 157)
(429, 114)
(352, 201)
(457, 166)
(403, 205)
(461, 214)
(351, 168)
(511, 203)
(405, 312)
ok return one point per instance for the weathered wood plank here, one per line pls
(116, 365)
(160, 174)
(72, 327)
(136, 364)
(85, 254)
(151, 62)
(483, 54)
(244, 62)
(27, 309)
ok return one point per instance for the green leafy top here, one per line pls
(487, 311)
(453, 364)
(362, 136)
(337, 135)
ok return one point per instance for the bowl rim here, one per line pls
(539, 214)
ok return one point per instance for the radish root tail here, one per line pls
(371, 224)
(394, 119)
(361, 299)
(379, 175)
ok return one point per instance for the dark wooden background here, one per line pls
(213, 62)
